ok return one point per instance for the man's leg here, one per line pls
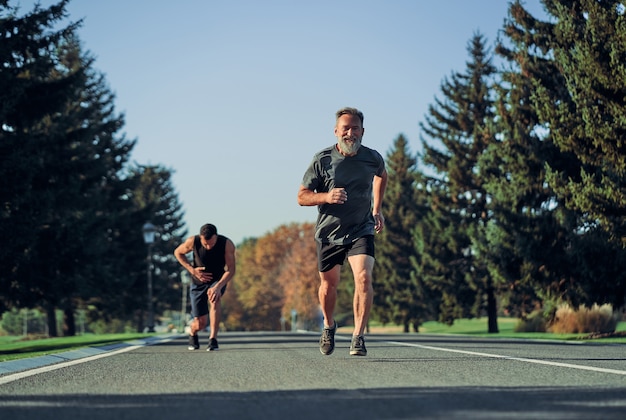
(215, 316)
(362, 266)
(327, 294)
(198, 324)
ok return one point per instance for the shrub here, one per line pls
(533, 323)
(114, 326)
(597, 319)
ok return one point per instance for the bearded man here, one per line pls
(347, 182)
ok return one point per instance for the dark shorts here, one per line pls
(200, 299)
(329, 255)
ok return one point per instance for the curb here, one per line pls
(19, 365)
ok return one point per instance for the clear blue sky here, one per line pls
(236, 96)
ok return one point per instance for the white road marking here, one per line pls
(519, 359)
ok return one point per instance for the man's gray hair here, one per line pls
(350, 111)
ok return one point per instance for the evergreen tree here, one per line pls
(439, 257)
(67, 199)
(33, 87)
(398, 292)
(77, 153)
(150, 197)
(460, 124)
(536, 242)
(589, 49)
(530, 230)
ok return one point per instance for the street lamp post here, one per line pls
(149, 232)
(185, 277)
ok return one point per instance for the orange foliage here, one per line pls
(275, 274)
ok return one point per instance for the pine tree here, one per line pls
(460, 124)
(58, 119)
(398, 293)
(530, 230)
(589, 49)
(155, 200)
(32, 88)
(536, 242)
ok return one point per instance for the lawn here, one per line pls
(478, 328)
(17, 347)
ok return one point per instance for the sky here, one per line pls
(236, 96)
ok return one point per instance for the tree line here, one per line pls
(518, 206)
(73, 206)
(514, 204)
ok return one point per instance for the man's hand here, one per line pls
(203, 276)
(337, 196)
(379, 222)
(214, 293)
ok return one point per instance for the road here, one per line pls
(284, 376)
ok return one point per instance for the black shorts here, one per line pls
(329, 255)
(200, 299)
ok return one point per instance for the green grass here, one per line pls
(506, 329)
(16, 347)
(478, 328)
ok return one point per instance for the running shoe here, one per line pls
(357, 347)
(213, 345)
(194, 344)
(327, 340)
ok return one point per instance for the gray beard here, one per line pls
(349, 148)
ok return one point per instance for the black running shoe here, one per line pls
(357, 347)
(212, 345)
(327, 340)
(194, 344)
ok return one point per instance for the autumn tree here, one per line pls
(299, 277)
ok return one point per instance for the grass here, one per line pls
(18, 347)
(506, 328)
(12, 347)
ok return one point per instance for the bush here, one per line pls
(12, 322)
(534, 323)
(114, 326)
(597, 319)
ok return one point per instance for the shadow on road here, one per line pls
(379, 403)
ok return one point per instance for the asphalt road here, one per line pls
(284, 376)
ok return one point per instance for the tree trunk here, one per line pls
(52, 321)
(492, 311)
(140, 324)
(69, 322)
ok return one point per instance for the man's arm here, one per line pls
(215, 292)
(307, 197)
(181, 254)
(379, 187)
(229, 256)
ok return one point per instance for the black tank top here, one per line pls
(213, 259)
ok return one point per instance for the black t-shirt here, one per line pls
(342, 224)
